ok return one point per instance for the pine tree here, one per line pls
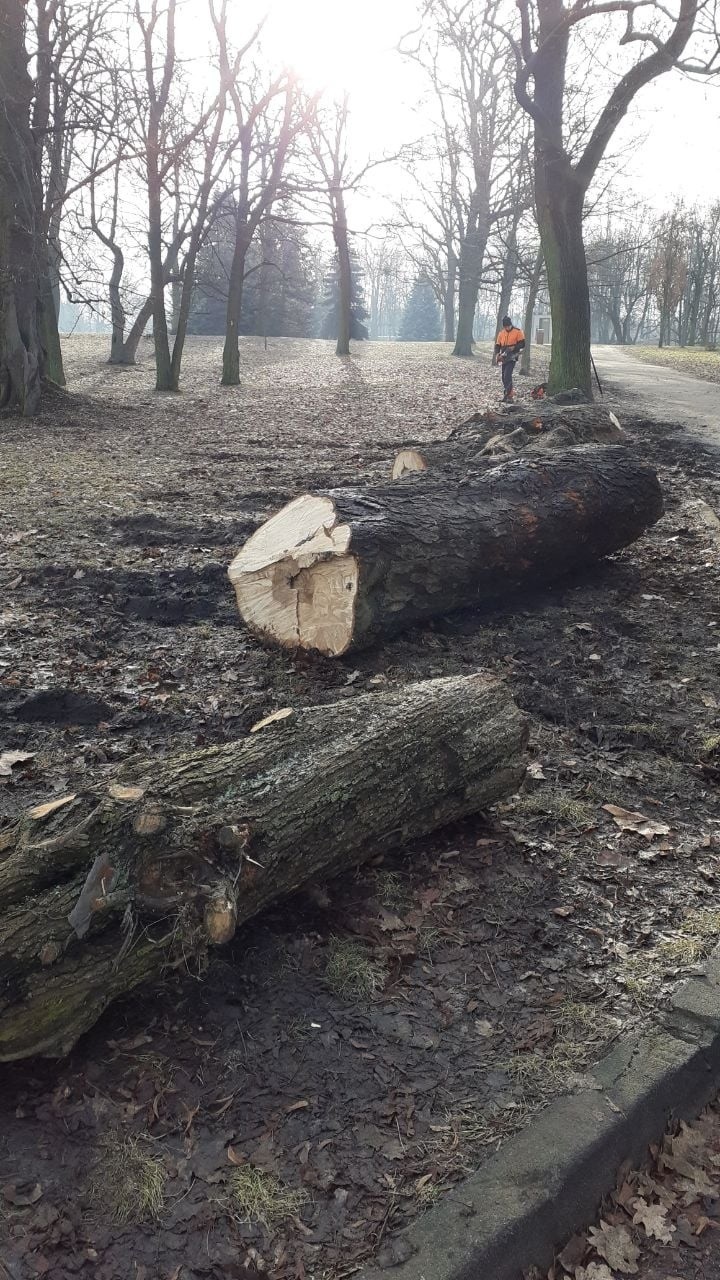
(279, 288)
(331, 302)
(421, 319)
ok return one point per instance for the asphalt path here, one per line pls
(663, 393)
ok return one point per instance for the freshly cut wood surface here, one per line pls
(113, 887)
(336, 571)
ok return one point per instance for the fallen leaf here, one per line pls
(297, 1106)
(563, 912)
(43, 810)
(573, 1253)
(235, 1157)
(22, 1194)
(616, 1246)
(629, 821)
(654, 1219)
(535, 770)
(10, 758)
(282, 714)
(594, 1271)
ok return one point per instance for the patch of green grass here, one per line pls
(256, 1196)
(711, 745)
(128, 1181)
(651, 732)
(351, 972)
(556, 805)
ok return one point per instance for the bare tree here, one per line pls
(466, 59)
(563, 173)
(29, 343)
(269, 115)
(68, 38)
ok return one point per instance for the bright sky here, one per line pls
(338, 45)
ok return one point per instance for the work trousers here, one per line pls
(507, 375)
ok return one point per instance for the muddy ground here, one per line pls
(344, 1063)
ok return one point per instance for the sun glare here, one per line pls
(330, 45)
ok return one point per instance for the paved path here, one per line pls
(661, 392)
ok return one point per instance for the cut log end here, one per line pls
(295, 579)
(408, 460)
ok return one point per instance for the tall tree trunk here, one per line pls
(507, 280)
(29, 342)
(560, 210)
(533, 290)
(163, 363)
(449, 299)
(231, 350)
(126, 349)
(472, 253)
(342, 244)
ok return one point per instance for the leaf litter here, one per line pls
(507, 952)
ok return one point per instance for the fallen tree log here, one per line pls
(339, 570)
(104, 891)
(498, 434)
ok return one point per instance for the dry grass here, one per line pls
(259, 1197)
(557, 805)
(692, 360)
(351, 972)
(129, 1181)
(696, 937)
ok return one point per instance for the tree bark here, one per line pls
(153, 868)
(231, 349)
(29, 342)
(560, 214)
(533, 290)
(342, 245)
(340, 570)
(449, 298)
(509, 272)
(472, 254)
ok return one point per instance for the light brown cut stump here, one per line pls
(295, 580)
(408, 460)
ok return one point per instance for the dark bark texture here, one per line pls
(426, 545)
(154, 867)
(29, 343)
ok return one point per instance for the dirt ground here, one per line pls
(343, 1063)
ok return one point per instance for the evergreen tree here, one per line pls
(331, 302)
(421, 319)
(279, 289)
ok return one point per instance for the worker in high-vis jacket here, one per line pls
(508, 345)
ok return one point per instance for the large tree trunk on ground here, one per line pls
(490, 438)
(154, 867)
(29, 342)
(339, 570)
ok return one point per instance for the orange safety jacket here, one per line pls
(509, 337)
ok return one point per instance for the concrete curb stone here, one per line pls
(547, 1181)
